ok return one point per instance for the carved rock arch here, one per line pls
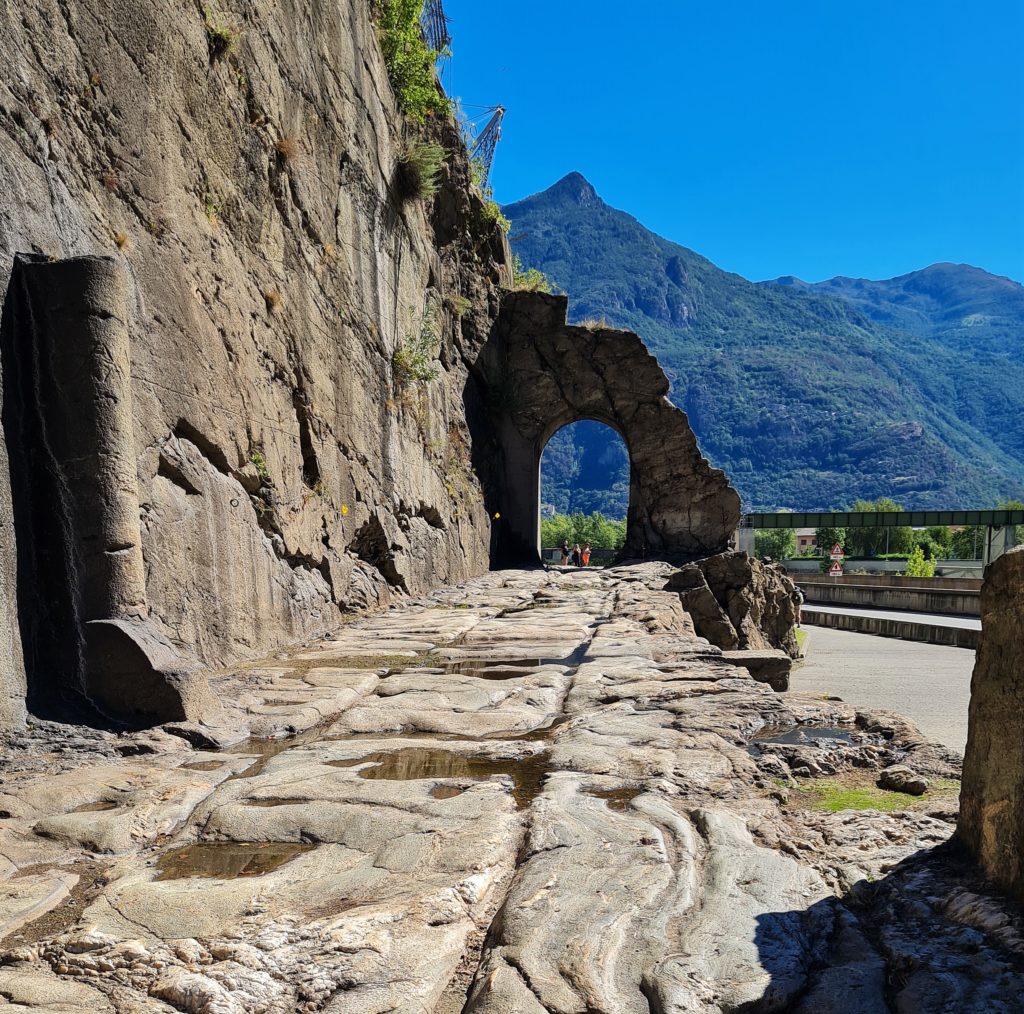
(542, 374)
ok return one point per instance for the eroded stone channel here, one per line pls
(603, 827)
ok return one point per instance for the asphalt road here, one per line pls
(928, 683)
(936, 619)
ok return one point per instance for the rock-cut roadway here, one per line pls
(532, 793)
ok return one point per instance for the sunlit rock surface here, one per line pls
(536, 792)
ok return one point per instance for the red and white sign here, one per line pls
(836, 570)
(837, 552)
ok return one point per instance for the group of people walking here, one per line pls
(580, 557)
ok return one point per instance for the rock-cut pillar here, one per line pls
(68, 424)
(83, 378)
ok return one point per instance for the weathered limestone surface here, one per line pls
(542, 374)
(536, 792)
(268, 272)
(992, 808)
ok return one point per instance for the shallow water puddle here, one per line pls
(276, 801)
(445, 792)
(478, 666)
(804, 735)
(495, 669)
(417, 763)
(227, 860)
(207, 765)
(617, 799)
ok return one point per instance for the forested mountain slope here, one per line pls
(809, 396)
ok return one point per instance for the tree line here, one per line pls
(939, 542)
(595, 528)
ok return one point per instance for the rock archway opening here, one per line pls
(537, 374)
(584, 471)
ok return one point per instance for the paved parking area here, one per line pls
(929, 684)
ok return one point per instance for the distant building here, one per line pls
(805, 539)
(547, 510)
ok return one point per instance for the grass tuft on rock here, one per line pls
(221, 38)
(418, 171)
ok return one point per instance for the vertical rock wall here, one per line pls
(273, 269)
(992, 792)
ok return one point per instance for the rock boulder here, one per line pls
(738, 603)
(992, 793)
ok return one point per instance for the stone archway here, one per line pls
(542, 374)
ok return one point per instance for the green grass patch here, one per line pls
(858, 791)
(801, 639)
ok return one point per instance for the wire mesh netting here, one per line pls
(435, 26)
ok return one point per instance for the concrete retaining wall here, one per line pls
(898, 581)
(949, 568)
(919, 600)
(908, 630)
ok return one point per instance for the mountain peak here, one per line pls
(574, 188)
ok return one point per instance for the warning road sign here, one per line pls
(836, 570)
(837, 552)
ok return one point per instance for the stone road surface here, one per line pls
(534, 793)
(928, 683)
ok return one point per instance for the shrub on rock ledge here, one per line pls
(409, 60)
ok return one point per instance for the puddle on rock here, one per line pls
(227, 860)
(97, 807)
(210, 765)
(617, 799)
(495, 669)
(802, 735)
(508, 668)
(446, 791)
(267, 748)
(416, 763)
(276, 801)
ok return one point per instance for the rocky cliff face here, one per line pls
(271, 270)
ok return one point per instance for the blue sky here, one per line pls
(861, 138)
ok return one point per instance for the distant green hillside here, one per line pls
(802, 395)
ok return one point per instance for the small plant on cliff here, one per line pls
(221, 38)
(211, 207)
(288, 148)
(528, 279)
(492, 210)
(259, 462)
(418, 169)
(409, 60)
(415, 358)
